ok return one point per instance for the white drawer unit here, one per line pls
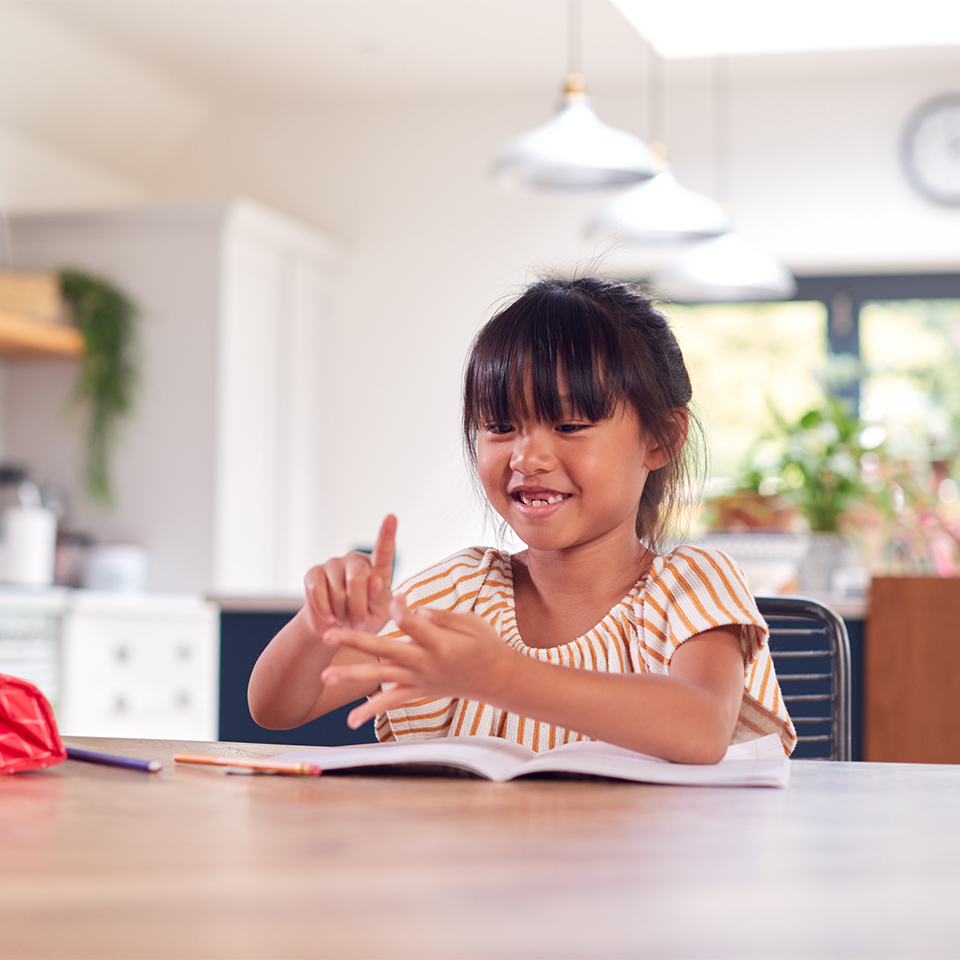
(140, 666)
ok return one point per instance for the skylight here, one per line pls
(704, 28)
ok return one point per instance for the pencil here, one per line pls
(264, 766)
(110, 760)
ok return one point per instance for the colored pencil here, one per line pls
(245, 763)
(110, 760)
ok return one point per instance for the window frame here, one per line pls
(845, 295)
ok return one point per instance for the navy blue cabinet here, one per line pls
(243, 635)
(855, 633)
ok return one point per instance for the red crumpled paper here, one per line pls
(28, 732)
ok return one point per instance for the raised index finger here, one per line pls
(381, 559)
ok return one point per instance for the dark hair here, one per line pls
(606, 344)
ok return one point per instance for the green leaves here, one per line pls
(818, 464)
(106, 319)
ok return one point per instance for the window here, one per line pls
(744, 357)
(895, 337)
(911, 381)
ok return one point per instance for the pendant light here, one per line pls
(726, 268)
(659, 210)
(575, 150)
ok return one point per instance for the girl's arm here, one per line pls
(687, 716)
(286, 689)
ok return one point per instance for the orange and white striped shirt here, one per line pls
(684, 593)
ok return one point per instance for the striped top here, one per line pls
(684, 593)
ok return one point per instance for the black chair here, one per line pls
(811, 654)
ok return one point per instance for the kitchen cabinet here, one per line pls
(114, 664)
(219, 470)
(139, 666)
(153, 666)
(30, 629)
(246, 626)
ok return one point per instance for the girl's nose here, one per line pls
(531, 453)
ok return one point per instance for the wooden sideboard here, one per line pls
(912, 670)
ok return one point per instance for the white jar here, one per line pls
(29, 546)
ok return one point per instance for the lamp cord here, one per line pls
(656, 93)
(721, 129)
(574, 44)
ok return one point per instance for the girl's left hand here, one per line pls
(448, 654)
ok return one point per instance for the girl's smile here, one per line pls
(536, 502)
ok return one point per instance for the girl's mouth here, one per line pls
(539, 498)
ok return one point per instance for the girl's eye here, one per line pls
(572, 427)
(499, 428)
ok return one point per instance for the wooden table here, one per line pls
(851, 860)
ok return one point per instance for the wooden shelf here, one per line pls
(25, 339)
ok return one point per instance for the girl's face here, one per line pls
(567, 484)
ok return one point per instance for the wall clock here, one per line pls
(931, 149)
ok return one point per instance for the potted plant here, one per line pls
(750, 503)
(808, 469)
(106, 318)
(820, 465)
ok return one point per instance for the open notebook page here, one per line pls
(758, 762)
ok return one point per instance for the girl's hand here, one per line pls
(353, 591)
(449, 654)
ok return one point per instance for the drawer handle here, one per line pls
(121, 654)
(119, 705)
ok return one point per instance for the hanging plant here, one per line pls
(106, 318)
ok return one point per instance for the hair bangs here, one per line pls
(549, 363)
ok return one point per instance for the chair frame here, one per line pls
(804, 608)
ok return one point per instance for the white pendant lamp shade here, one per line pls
(660, 211)
(574, 151)
(724, 269)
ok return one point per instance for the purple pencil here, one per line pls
(132, 763)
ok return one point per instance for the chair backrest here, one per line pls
(811, 654)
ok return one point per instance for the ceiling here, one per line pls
(348, 49)
(337, 50)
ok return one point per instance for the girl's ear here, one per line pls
(660, 454)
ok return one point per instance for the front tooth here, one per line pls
(540, 501)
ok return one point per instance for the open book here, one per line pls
(755, 763)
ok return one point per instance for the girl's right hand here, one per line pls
(353, 591)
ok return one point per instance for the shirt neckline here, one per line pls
(514, 637)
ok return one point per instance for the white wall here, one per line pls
(164, 472)
(429, 246)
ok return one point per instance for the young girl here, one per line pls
(576, 415)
